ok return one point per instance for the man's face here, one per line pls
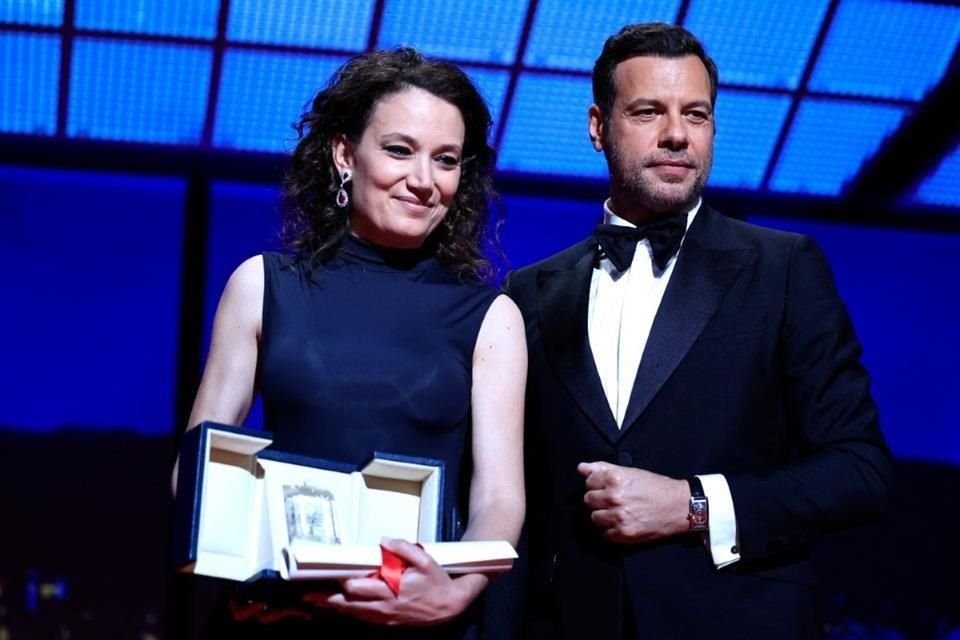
(658, 138)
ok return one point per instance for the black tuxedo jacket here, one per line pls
(751, 370)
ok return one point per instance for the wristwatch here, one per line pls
(699, 516)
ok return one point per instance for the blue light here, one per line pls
(328, 24)
(263, 94)
(138, 91)
(570, 34)
(829, 142)
(93, 240)
(540, 226)
(942, 186)
(757, 43)
(887, 49)
(481, 31)
(40, 12)
(29, 79)
(895, 284)
(748, 125)
(547, 132)
(192, 18)
(493, 87)
(32, 591)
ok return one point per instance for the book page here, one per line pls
(480, 556)
(310, 561)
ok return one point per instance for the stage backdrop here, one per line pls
(91, 288)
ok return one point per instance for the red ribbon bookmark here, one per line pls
(391, 569)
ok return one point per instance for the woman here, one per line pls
(377, 334)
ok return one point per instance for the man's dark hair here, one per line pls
(315, 227)
(656, 39)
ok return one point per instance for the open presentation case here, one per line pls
(244, 511)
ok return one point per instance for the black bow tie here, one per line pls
(620, 243)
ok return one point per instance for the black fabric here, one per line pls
(371, 352)
(619, 243)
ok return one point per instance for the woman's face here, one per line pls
(406, 168)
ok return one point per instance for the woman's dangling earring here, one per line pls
(343, 198)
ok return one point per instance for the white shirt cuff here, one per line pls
(722, 535)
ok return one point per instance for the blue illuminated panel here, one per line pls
(570, 34)
(757, 43)
(493, 86)
(93, 342)
(538, 227)
(748, 125)
(482, 31)
(41, 12)
(829, 142)
(329, 24)
(547, 132)
(887, 49)
(942, 187)
(193, 18)
(895, 284)
(263, 94)
(29, 77)
(138, 91)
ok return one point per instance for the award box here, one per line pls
(244, 511)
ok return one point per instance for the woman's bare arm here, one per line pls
(227, 386)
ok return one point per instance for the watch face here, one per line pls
(699, 515)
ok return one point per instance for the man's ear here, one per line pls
(595, 117)
(342, 152)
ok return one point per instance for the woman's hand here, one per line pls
(427, 595)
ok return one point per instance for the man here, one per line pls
(694, 415)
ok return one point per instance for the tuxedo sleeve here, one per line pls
(840, 471)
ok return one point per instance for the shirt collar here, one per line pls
(609, 217)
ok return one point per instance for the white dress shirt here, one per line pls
(631, 299)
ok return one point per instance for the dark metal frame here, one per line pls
(905, 158)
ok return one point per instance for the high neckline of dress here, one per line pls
(359, 250)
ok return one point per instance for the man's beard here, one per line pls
(639, 190)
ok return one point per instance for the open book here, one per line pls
(243, 510)
(308, 560)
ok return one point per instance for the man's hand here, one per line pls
(427, 594)
(635, 505)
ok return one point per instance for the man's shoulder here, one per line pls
(749, 233)
(563, 259)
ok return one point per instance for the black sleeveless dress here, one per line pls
(370, 352)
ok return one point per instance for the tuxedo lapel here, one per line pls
(705, 269)
(564, 300)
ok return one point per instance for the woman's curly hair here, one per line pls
(315, 227)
